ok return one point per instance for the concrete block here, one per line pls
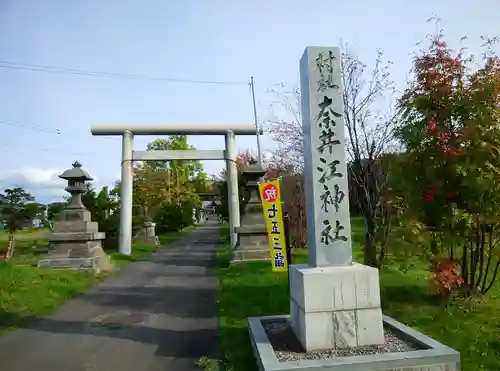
(339, 294)
(368, 332)
(367, 286)
(317, 289)
(317, 330)
(344, 328)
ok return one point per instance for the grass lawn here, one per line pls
(251, 289)
(27, 291)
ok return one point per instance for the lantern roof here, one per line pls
(76, 173)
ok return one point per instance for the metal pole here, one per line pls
(232, 187)
(125, 239)
(286, 221)
(257, 126)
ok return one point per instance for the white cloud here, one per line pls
(44, 184)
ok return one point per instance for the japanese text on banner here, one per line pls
(273, 214)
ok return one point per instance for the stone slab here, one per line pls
(75, 226)
(245, 255)
(77, 236)
(67, 263)
(251, 229)
(434, 357)
(253, 244)
(76, 215)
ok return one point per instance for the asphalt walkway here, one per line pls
(158, 314)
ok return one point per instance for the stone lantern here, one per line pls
(76, 241)
(76, 178)
(253, 242)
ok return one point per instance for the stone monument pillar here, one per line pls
(76, 241)
(334, 302)
(253, 242)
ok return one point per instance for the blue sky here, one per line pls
(216, 40)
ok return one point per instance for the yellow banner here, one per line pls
(273, 214)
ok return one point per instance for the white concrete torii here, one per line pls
(128, 155)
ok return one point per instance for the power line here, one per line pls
(50, 130)
(29, 126)
(45, 129)
(74, 71)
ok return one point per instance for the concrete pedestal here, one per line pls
(76, 243)
(253, 243)
(335, 306)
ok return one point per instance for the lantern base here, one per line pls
(253, 244)
(76, 244)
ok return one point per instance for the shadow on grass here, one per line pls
(415, 295)
(12, 320)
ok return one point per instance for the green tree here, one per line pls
(14, 201)
(55, 209)
(100, 204)
(31, 210)
(162, 188)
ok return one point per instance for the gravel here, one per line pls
(288, 348)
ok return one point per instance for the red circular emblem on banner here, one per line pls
(270, 193)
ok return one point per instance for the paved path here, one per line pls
(173, 293)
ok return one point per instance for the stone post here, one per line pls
(333, 302)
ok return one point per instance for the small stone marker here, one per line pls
(333, 302)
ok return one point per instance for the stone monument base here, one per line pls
(421, 353)
(253, 244)
(335, 306)
(77, 251)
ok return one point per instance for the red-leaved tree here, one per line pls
(451, 135)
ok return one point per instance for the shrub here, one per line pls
(446, 277)
(173, 216)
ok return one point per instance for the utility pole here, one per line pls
(257, 127)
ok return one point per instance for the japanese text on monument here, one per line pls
(332, 195)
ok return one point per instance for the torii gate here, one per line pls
(129, 155)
